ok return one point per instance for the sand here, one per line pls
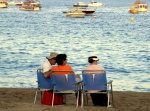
(21, 99)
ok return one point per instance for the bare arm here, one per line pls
(47, 74)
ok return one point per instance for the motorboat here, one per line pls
(95, 4)
(80, 4)
(19, 3)
(76, 14)
(29, 7)
(33, 3)
(3, 4)
(15, 3)
(138, 6)
(87, 10)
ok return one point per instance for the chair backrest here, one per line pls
(94, 81)
(43, 82)
(64, 81)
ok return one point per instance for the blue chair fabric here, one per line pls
(44, 84)
(96, 83)
(64, 84)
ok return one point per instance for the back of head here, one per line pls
(60, 58)
(91, 59)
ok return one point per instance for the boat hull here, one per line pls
(3, 5)
(75, 15)
(88, 12)
(133, 11)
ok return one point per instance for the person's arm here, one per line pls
(47, 74)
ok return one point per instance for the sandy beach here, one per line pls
(21, 99)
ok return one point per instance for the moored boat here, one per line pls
(80, 4)
(138, 6)
(3, 4)
(87, 10)
(76, 14)
(95, 4)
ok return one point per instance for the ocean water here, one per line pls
(122, 46)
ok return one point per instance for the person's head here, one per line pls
(61, 59)
(52, 58)
(92, 59)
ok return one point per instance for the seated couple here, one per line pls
(61, 60)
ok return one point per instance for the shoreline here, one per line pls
(21, 99)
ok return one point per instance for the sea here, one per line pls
(122, 45)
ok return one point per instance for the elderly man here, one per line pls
(47, 65)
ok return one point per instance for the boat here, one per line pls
(87, 10)
(95, 4)
(3, 4)
(15, 3)
(80, 4)
(19, 3)
(138, 6)
(30, 5)
(33, 3)
(76, 14)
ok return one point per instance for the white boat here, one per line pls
(95, 4)
(139, 6)
(3, 4)
(80, 4)
(29, 7)
(76, 14)
(87, 10)
(15, 3)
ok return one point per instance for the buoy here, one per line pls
(132, 19)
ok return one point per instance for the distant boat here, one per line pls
(87, 10)
(95, 4)
(138, 6)
(80, 4)
(30, 5)
(15, 3)
(76, 14)
(3, 4)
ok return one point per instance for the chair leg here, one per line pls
(82, 101)
(77, 99)
(53, 99)
(112, 97)
(35, 96)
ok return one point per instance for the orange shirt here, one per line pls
(63, 69)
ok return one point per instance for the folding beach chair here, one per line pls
(97, 83)
(44, 84)
(64, 84)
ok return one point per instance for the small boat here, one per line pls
(3, 4)
(80, 4)
(138, 6)
(19, 3)
(14, 3)
(76, 14)
(95, 4)
(30, 5)
(87, 10)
